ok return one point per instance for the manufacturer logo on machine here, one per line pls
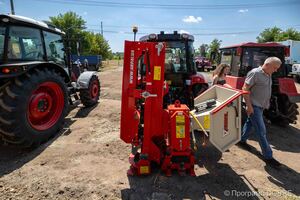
(131, 66)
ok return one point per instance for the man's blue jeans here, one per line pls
(256, 120)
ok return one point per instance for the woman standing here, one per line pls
(220, 73)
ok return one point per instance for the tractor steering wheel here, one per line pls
(32, 52)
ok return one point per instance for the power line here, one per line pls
(173, 6)
(190, 28)
(195, 34)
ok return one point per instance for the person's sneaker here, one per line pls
(244, 145)
(273, 163)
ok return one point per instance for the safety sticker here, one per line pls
(206, 122)
(157, 73)
(144, 169)
(180, 119)
(180, 131)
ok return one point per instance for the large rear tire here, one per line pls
(90, 96)
(33, 107)
(287, 109)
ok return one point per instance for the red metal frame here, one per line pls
(179, 154)
(152, 130)
(235, 82)
(253, 44)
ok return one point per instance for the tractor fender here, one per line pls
(198, 79)
(287, 86)
(84, 79)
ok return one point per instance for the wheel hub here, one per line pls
(45, 106)
(94, 89)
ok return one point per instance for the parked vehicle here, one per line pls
(244, 57)
(203, 64)
(180, 70)
(92, 62)
(37, 81)
(293, 60)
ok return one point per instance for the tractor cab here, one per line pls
(180, 70)
(34, 67)
(244, 57)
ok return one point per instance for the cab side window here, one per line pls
(25, 44)
(54, 48)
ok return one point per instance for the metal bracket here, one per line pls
(159, 47)
(146, 94)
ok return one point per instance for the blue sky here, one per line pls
(231, 21)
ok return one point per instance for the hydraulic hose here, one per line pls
(199, 124)
(201, 127)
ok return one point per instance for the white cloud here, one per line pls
(243, 10)
(233, 35)
(192, 19)
(183, 31)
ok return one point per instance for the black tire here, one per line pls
(286, 108)
(88, 98)
(17, 126)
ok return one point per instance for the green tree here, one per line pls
(89, 43)
(95, 44)
(73, 25)
(269, 34)
(275, 34)
(214, 50)
(203, 50)
(289, 34)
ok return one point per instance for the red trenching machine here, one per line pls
(160, 132)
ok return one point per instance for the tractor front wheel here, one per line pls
(90, 96)
(33, 107)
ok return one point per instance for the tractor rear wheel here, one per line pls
(288, 110)
(90, 96)
(33, 107)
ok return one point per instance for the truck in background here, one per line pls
(293, 60)
(93, 62)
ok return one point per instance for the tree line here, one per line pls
(78, 39)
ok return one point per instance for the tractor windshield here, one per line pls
(255, 57)
(24, 44)
(175, 59)
(2, 39)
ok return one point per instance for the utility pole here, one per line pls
(101, 28)
(12, 9)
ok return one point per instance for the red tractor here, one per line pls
(37, 81)
(244, 57)
(203, 64)
(180, 69)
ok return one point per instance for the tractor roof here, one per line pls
(253, 44)
(164, 37)
(20, 20)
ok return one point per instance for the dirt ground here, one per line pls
(87, 160)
